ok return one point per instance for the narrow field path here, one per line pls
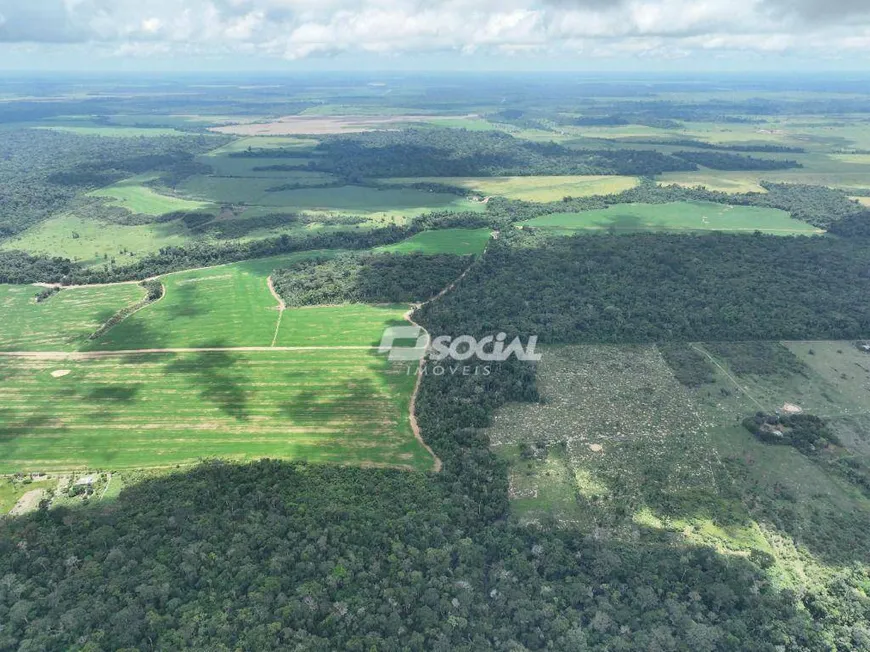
(94, 355)
(281, 308)
(730, 377)
(409, 316)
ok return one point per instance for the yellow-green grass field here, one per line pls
(138, 198)
(162, 410)
(62, 322)
(864, 201)
(676, 216)
(533, 188)
(93, 242)
(748, 181)
(352, 200)
(461, 242)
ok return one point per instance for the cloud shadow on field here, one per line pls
(218, 382)
(123, 393)
(336, 401)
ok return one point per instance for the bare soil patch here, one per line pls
(295, 125)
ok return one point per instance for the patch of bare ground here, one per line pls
(295, 125)
(29, 502)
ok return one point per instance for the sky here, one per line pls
(654, 35)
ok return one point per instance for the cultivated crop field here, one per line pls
(676, 216)
(138, 198)
(225, 306)
(146, 410)
(533, 188)
(62, 322)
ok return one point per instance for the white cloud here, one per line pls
(303, 28)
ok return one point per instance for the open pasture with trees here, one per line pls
(679, 216)
(93, 242)
(62, 321)
(135, 411)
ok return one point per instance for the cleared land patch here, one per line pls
(137, 198)
(645, 452)
(676, 216)
(94, 242)
(138, 411)
(533, 188)
(62, 322)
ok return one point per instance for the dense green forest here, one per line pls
(44, 171)
(646, 287)
(458, 153)
(368, 278)
(727, 161)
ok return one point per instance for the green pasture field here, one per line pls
(163, 410)
(93, 242)
(345, 325)
(533, 188)
(137, 198)
(354, 200)
(62, 322)
(303, 144)
(223, 306)
(461, 242)
(864, 201)
(676, 216)
(116, 132)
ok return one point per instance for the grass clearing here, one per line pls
(461, 242)
(266, 142)
(162, 410)
(62, 322)
(93, 242)
(676, 216)
(138, 198)
(533, 188)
